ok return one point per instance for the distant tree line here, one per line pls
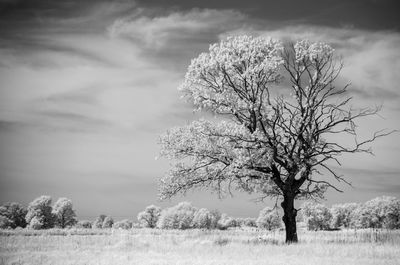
(381, 212)
(40, 214)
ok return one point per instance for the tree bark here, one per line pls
(289, 218)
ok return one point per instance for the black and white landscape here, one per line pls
(189, 132)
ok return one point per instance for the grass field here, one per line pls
(147, 246)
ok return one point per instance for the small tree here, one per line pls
(39, 215)
(203, 218)
(215, 217)
(84, 224)
(63, 213)
(177, 217)
(149, 217)
(342, 215)
(317, 216)
(250, 222)
(108, 222)
(15, 214)
(274, 139)
(98, 223)
(269, 219)
(123, 224)
(226, 222)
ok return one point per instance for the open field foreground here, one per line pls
(145, 246)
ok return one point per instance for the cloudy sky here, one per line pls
(86, 88)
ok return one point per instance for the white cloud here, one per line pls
(158, 31)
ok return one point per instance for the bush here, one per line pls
(123, 224)
(5, 223)
(317, 216)
(84, 224)
(12, 215)
(40, 212)
(149, 217)
(392, 220)
(343, 214)
(269, 219)
(226, 222)
(203, 218)
(381, 212)
(177, 217)
(108, 222)
(36, 223)
(98, 223)
(250, 222)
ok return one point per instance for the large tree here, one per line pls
(64, 214)
(279, 107)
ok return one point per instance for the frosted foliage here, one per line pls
(222, 78)
(269, 219)
(342, 215)
(40, 211)
(317, 216)
(203, 218)
(64, 213)
(212, 149)
(177, 217)
(149, 217)
(225, 222)
(123, 224)
(380, 212)
(36, 223)
(261, 134)
(312, 51)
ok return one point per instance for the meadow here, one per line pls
(237, 246)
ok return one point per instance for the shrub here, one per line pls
(317, 216)
(13, 215)
(5, 223)
(269, 219)
(84, 224)
(149, 217)
(378, 213)
(177, 217)
(250, 222)
(343, 214)
(226, 222)
(64, 215)
(40, 212)
(123, 224)
(98, 223)
(203, 218)
(392, 220)
(36, 223)
(108, 222)
(215, 217)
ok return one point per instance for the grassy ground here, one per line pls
(146, 246)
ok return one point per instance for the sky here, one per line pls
(87, 87)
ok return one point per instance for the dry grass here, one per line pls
(147, 246)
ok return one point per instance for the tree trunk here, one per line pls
(289, 218)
